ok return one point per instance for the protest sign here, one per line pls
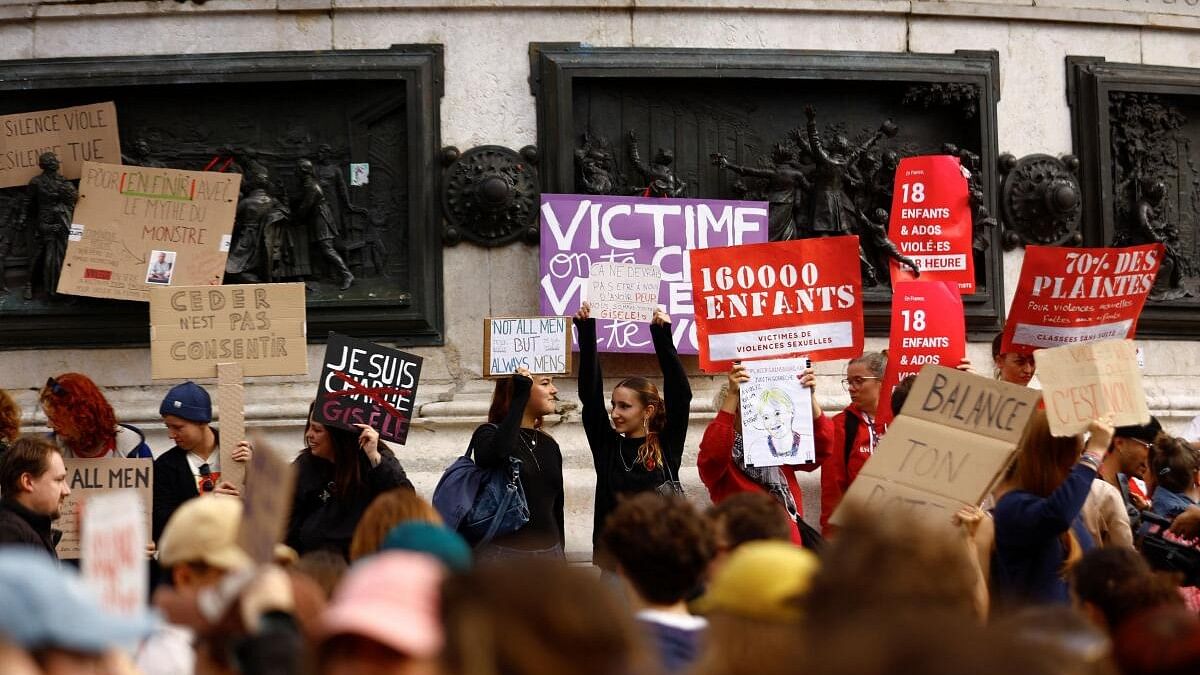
(539, 344)
(113, 538)
(135, 228)
(931, 221)
(955, 435)
(928, 328)
(1091, 381)
(777, 423)
(85, 133)
(90, 477)
(578, 230)
(270, 482)
(261, 326)
(1073, 295)
(623, 291)
(762, 301)
(231, 407)
(365, 383)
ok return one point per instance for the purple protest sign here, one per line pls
(577, 230)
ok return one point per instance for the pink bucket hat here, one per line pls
(391, 598)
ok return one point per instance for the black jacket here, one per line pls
(174, 484)
(21, 527)
(321, 519)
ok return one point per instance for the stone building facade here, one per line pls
(487, 100)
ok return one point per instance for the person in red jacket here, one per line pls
(849, 451)
(722, 462)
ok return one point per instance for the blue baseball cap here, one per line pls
(189, 401)
(43, 606)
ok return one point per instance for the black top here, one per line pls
(321, 519)
(174, 484)
(21, 527)
(541, 471)
(615, 456)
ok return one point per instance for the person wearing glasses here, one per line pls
(1128, 457)
(193, 467)
(82, 422)
(855, 434)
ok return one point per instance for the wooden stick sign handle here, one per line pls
(231, 399)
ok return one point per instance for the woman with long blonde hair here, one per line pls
(1039, 533)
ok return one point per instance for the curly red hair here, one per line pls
(79, 413)
(10, 418)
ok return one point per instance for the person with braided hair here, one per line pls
(639, 447)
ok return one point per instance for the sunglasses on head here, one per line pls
(207, 484)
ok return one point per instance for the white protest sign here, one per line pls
(1091, 381)
(540, 344)
(113, 540)
(777, 424)
(623, 291)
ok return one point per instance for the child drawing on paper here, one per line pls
(774, 413)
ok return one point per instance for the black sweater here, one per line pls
(541, 471)
(612, 452)
(322, 519)
(21, 527)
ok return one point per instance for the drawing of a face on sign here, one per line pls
(776, 413)
(366, 383)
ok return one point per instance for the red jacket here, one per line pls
(722, 477)
(835, 475)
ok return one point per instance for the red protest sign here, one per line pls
(931, 221)
(1074, 295)
(767, 301)
(928, 327)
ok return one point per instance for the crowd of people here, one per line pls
(1053, 573)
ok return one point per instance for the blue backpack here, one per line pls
(481, 504)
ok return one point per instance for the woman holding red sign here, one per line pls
(639, 447)
(854, 434)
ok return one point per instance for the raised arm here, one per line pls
(716, 448)
(677, 391)
(591, 382)
(494, 444)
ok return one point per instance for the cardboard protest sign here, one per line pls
(1090, 381)
(954, 437)
(787, 298)
(261, 326)
(85, 133)
(135, 228)
(579, 230)
(928, 327)
(1073, 295)
(231, 407)
(113, 550)
(365, 383)
(540, 344)
(623, 291)
(270, 482)
(930, 221)
(90, 477)
(777, 423)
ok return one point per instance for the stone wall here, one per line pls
(487, 100)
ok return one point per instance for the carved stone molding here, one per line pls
(490, 194)
(1040, 200)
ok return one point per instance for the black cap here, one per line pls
(1142, 432)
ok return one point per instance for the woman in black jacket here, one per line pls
(514, 430)
(642, 447)
(338, 474)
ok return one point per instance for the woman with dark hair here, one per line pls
(1039, 532)
(83, 423)
(338, 474)
(642, 447)
(514, 429)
